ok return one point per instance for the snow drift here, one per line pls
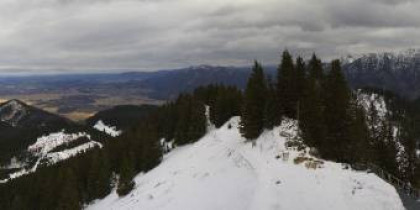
(222, 171)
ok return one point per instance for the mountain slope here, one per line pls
(398, 72)
(122, 116)
(31, 137)
(221, 171)
(21, 124)
(168, 85)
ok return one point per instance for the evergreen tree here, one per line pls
(287, 85)
(311, 122)
(99, 176)
(272, 111)
(358, 149)
(69, 198)
(300, 78)
(337, 117)
(252, 118)
(227, 104)
(385, 148)
(191, 120)
(125, 182)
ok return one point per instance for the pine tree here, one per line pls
(300, 78)
(227, 104)
(252, 118)
(150, 153)
(358, 149)
(311, 122)
(99, 176)
(69, 198)
(125, 182)
(272, 111)
(191, 120)
(386, 150)
(337, 116)
(287, 85)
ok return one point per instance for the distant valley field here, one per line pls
(80, 96)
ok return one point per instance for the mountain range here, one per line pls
(398, 72)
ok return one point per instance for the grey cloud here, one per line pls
(100, 35)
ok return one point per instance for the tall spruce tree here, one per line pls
(300, 78)
(311, 122)
(69, 197)
(287, 86)
(252, 118)
(337, 114)
(125, 182)
(99, 176)
(272, 111)
(358, 150)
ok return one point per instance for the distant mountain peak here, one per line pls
(11, 112)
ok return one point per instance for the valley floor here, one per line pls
(222, 171)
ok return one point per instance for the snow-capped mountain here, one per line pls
(223, 171)
(397, 71)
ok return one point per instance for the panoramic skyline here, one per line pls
(72, 36)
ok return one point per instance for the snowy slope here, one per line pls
(221, 171)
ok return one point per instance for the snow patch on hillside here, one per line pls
(45, 144)
(376, 100)
(42, 148)
(66, 154)
(223, 171)
(110, 130)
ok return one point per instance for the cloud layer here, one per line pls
(101, 35)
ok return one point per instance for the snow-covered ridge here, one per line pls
(45, 144)
(42, 148)
(12, 112)
(110, 130)
(402, 62)
(222, 171)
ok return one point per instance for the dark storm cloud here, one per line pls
(99, 35)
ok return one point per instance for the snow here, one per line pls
(396, 62)
(378, 101)
(14, 164)
(43, 146)
(62, 155)
(110, 130)
(223, 171)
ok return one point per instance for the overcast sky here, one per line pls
(68, 36)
